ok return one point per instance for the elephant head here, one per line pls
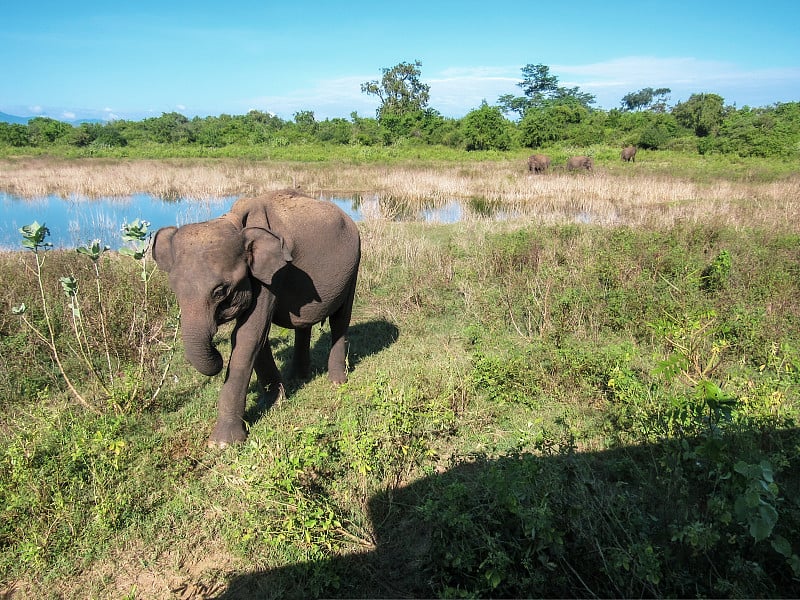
(211, 267)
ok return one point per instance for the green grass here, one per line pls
(685, 164)
(532, 411)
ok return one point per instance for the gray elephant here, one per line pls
(282, 258)
(629, 154)
(580, 162)
(538, 163)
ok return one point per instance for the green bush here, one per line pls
(486, 129)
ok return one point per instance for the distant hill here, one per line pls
(6, 118)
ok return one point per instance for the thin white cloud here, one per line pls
(329, 98)
(455, 91)
(460, 90)
(611, 80)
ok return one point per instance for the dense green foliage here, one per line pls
(547, 114)
(766, 132)
(533, 411)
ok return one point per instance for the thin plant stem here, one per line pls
(51, 342)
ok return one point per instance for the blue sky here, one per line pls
(93, 59)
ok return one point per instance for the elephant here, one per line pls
(538, 163)
(281, 258)
(580, 162)
(629, 154)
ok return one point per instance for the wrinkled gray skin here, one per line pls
(281, 258)
(538, 163)
(629, 154)
(580, 162)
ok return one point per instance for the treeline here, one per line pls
(546, 115)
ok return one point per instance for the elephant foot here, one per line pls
(337, 378)
(227, 433)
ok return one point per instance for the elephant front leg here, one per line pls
(249, 340)
(229, 428)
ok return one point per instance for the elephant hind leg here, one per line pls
(301, 361)
(340, 323)
(270, 383)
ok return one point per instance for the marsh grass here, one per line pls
(518, 420)
(642, 195)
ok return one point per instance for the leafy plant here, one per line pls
(90, 329)
(34, 238)
(715, 276)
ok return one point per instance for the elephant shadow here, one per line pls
(544, 526)
(365, 339)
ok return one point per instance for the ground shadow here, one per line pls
(600, 524)
(365, 339)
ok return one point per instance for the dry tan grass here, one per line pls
(639, 199)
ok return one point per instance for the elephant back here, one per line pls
(326, 251)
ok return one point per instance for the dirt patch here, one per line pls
(133, 571)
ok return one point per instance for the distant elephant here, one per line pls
(629, 154)
(538, 163)
(580, 162)
(281, 258)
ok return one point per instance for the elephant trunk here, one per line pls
(199, 350)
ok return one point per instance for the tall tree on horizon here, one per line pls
(540, 89)
(399, 90)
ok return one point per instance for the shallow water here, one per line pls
(76, 221)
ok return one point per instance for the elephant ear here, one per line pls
(162, 248)
(265, 252)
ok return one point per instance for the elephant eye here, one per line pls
(220, 292)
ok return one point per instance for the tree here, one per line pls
(366, 130)
(768, 131)
(646, 99)
(306, 122)
(44, 130)
(659, 133)
(486, 128)
(14, 134)
(553, 120)
(169, 128)
(537, 84)
(509, 104)
(541, 88)
(109, 135)
(337, 131)
(399, 90)
(702, 113)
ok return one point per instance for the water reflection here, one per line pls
(76, 220)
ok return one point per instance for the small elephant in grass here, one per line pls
(580, 162)
(282, 258)
(538, 163)
(629, 154)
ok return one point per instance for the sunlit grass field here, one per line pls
(594, 396)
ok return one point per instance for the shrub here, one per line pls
(486, 129)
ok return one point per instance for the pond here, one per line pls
(76, 221)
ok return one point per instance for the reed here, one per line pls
(610, 195)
